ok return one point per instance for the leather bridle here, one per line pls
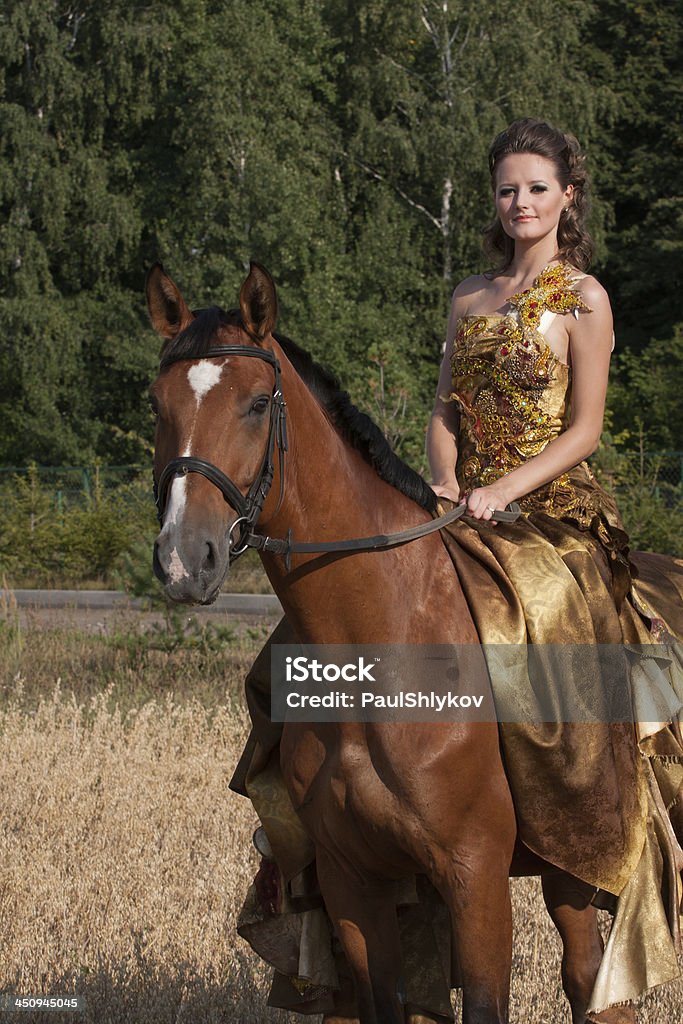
(250, 506)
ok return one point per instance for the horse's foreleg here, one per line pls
(365, 921)
(568, 903)
(481, 914)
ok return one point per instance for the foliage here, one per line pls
(651, 508)
(81, 541)
(639, 59)
(645, 396)
(95, 531)
(341, 143)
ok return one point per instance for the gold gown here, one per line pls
(591, 796)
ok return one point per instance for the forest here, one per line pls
(342, 143)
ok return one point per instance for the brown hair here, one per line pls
(530, 135)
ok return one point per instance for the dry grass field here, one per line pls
(124, 857)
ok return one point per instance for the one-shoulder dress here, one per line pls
(594, 792)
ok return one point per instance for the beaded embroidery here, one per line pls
(513, 393)
(553, 289)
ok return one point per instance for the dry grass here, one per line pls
(124, 857)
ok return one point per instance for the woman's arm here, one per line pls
(442, 430)
(590, 346)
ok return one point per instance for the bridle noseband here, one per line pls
(249, 506)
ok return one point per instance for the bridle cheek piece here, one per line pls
(249, 506)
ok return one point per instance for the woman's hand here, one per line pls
(450, 491)
(482, 502)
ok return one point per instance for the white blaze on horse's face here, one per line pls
(203, 376)
(174, 513)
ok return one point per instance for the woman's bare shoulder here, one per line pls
(598, 327)
(592, 292)
(471, 294)
(473, 285)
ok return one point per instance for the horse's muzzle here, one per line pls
(191, 569)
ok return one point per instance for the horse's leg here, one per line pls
(477, 891)
(568, 903)
(365, 920)
(344, 1011)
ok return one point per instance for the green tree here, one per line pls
(639, 57)
(76, 85)
(343, 144)
(646, 394)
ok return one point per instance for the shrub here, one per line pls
(651, 507)
(49, 541)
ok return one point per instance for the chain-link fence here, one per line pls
(658, 467)
(73, 485)
(76, 485)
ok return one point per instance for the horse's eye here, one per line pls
(260, 405)
(153, 406)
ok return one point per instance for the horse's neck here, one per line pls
(408, 593)
(330, 492)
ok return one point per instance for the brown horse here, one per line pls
(380, 801)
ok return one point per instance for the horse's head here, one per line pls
(218, 407)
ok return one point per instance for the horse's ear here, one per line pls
(258, 301)
(168, 310)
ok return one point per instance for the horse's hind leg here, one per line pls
(568, 903)
(365, 921)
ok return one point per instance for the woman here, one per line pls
(519, 407)
(540, 195)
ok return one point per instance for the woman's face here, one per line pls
(529, 197)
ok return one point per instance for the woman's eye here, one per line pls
(506, 192)
(539, 188)
(260, 405)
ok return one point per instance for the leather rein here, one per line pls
(250, 506)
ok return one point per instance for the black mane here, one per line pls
(196, 340)
(357, 428)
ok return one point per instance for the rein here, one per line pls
(250, 506)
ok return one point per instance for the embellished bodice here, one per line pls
(513, 394)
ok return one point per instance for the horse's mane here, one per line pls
(198, 337)
(356, 427)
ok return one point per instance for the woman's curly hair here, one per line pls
(530, 135)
